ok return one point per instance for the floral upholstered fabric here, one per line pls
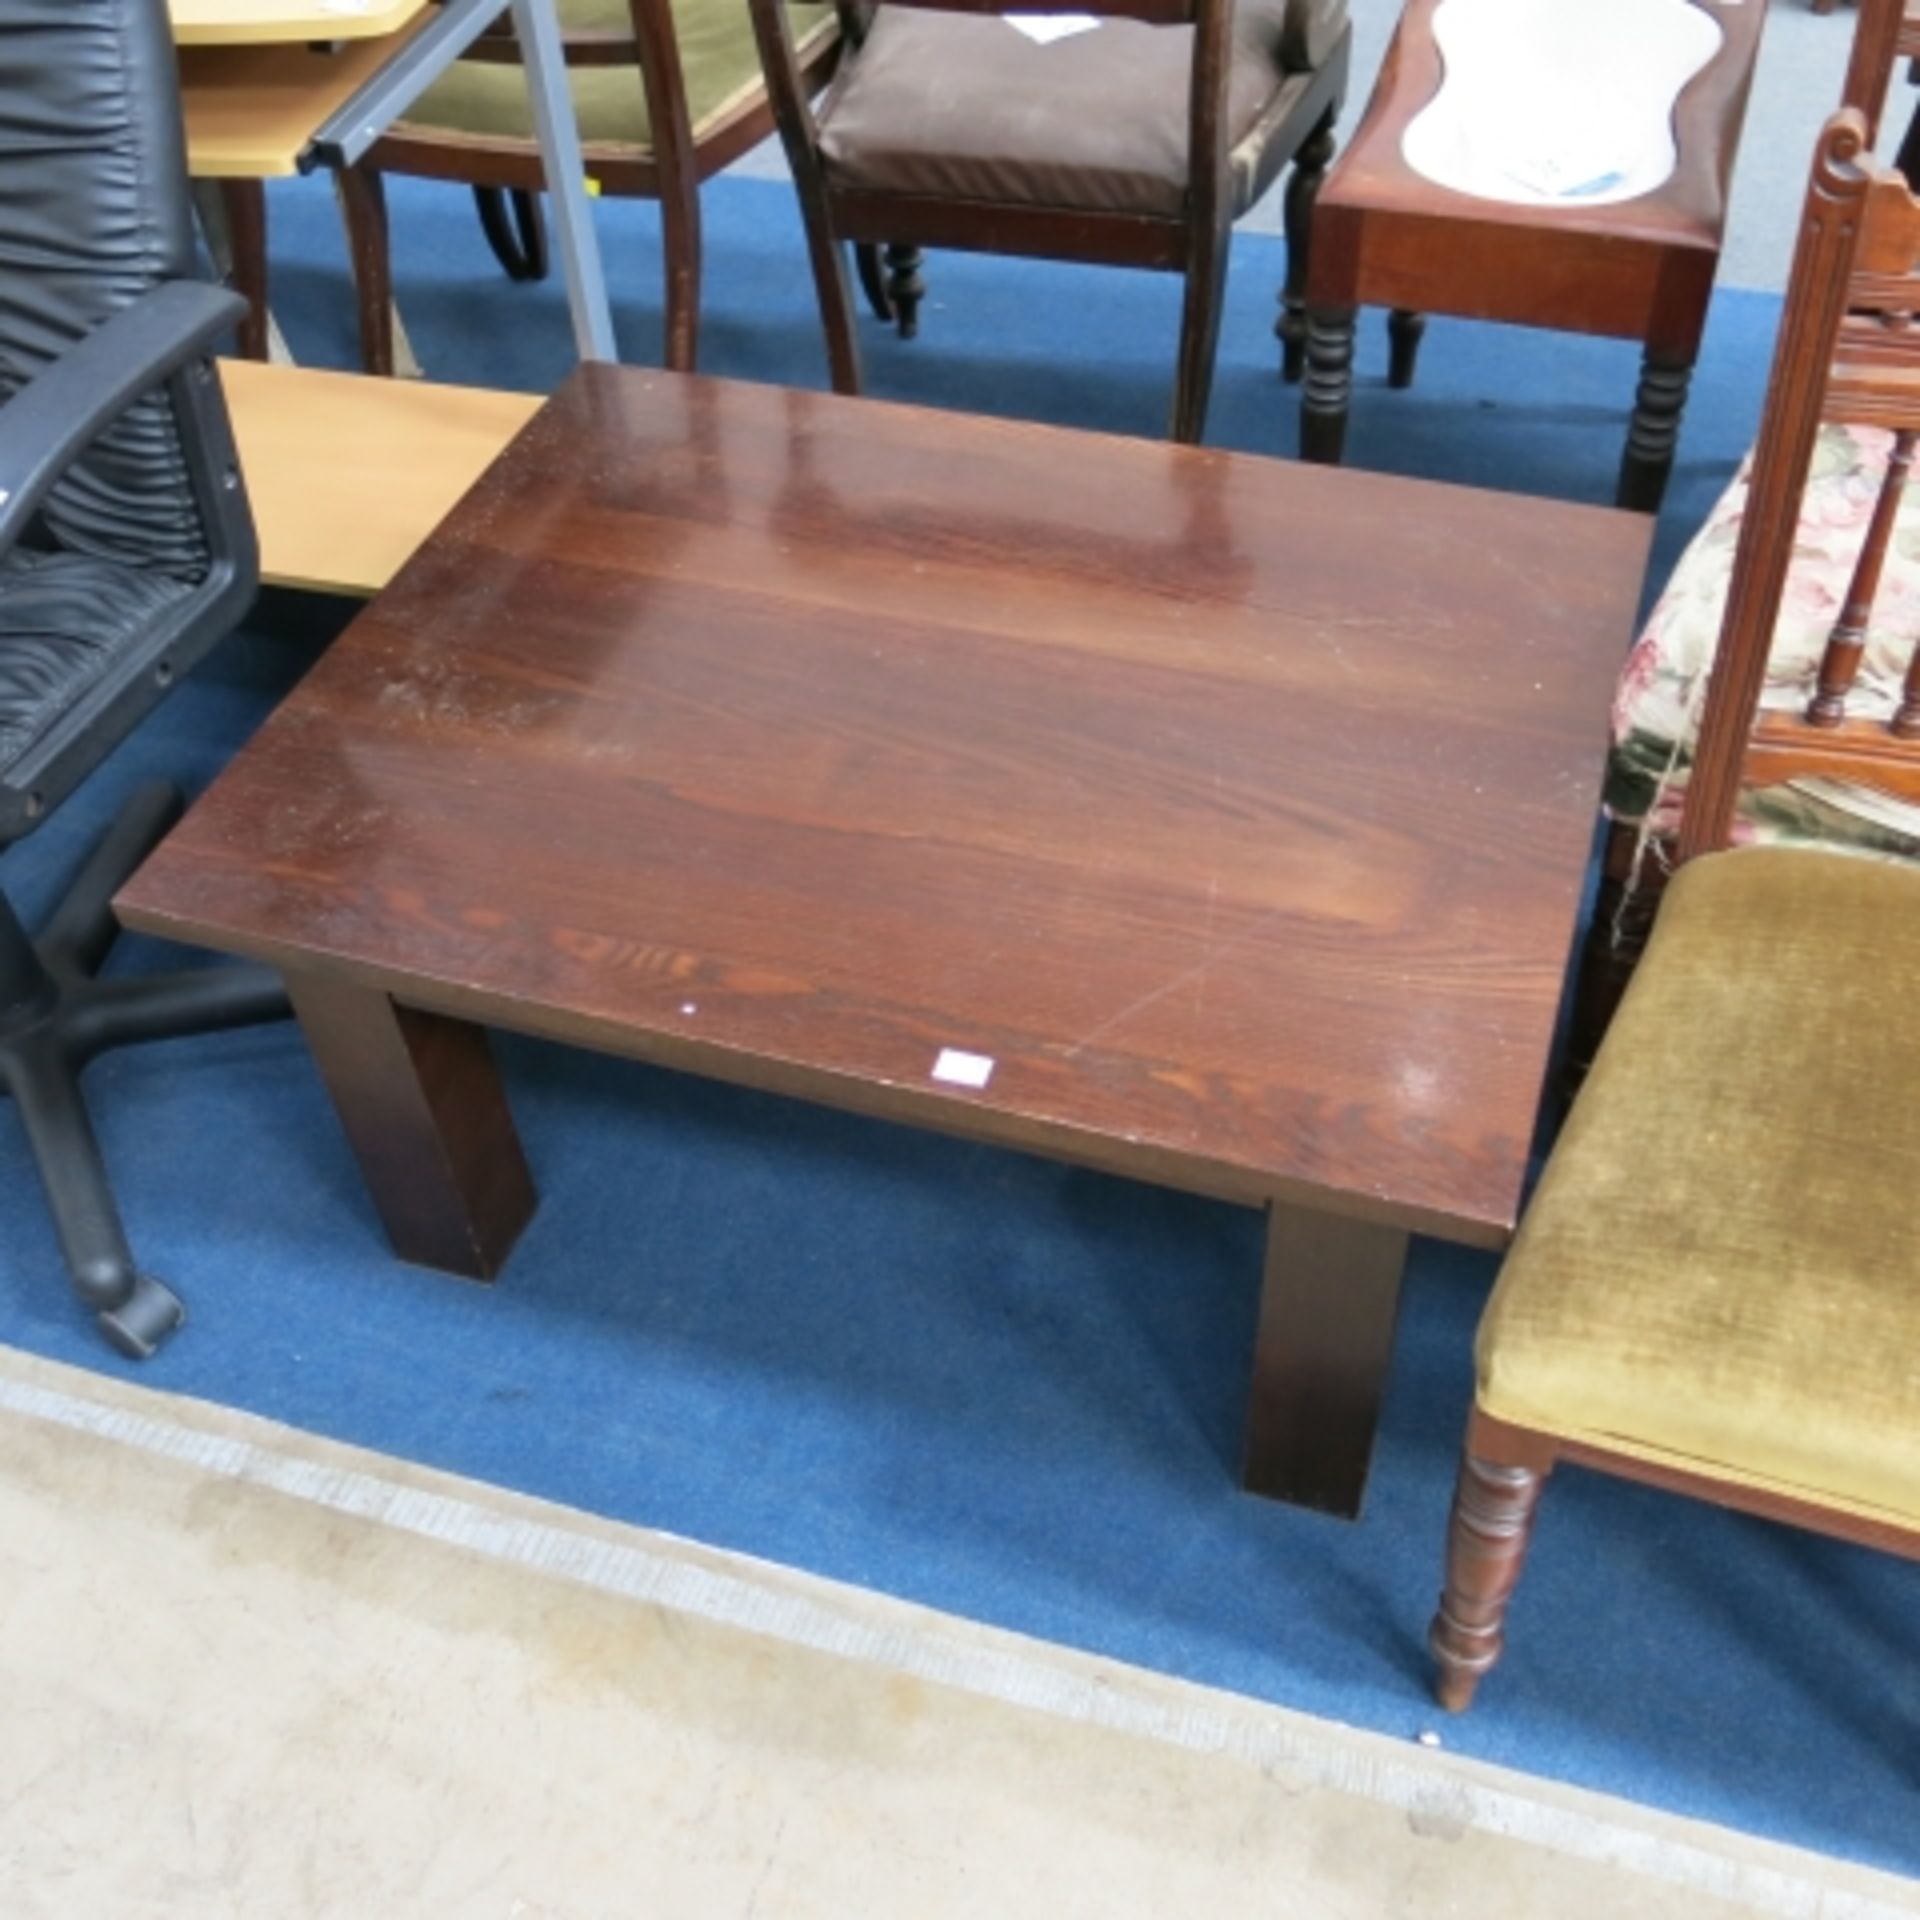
(1656, 712)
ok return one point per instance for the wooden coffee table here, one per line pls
(1204, 819)
(1639, 269)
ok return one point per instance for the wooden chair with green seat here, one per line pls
(666, 94)
(1716, 1289)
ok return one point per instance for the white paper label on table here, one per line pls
(963, 1069)
(1044, 28)
(1558, 102)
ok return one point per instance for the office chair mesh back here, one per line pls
(94, 211)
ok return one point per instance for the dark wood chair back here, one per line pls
(1848, 352)
(1885, 35)
(1193, 242)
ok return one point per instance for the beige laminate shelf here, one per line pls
(348, 474)
(243, 22)
(252, 111)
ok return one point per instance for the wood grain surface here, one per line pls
(252, 110)
(1235, 810)
(254, 22)
(347, 476)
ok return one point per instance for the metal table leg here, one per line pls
(358, 122)
(536, 27)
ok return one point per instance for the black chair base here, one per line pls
(515, 229)
(56, 1014)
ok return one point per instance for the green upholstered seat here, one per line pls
(718, 60)
(1721, 1268)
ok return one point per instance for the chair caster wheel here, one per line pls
(138, 1325)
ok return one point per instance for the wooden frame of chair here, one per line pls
(1850, 336)
(1847, 350)
(1503, 1472)
(1194, 243)
(671, 170)
(1883, 35)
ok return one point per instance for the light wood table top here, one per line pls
(1213, 820)
(348, 475)
(272, 85)
(227, 23)
(252, 111)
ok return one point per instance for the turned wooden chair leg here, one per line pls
(1404, 328)
(1654, 431)
(1200, 334)
(1493, 1513)
(363, 205)
(1303, 189)
(905, 287)
(1327, 390)
(873, 281)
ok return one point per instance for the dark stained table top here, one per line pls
(1235, 810)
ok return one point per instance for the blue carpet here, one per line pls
(980, 1381)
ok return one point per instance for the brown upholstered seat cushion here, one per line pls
(965, 107)
(1721, 1268)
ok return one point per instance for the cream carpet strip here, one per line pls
(248, 1673)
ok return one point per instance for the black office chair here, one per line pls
(126, 552)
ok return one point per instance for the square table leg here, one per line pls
(1328, 1305)
(427, 1118)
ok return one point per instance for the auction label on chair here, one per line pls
(1044, 27)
